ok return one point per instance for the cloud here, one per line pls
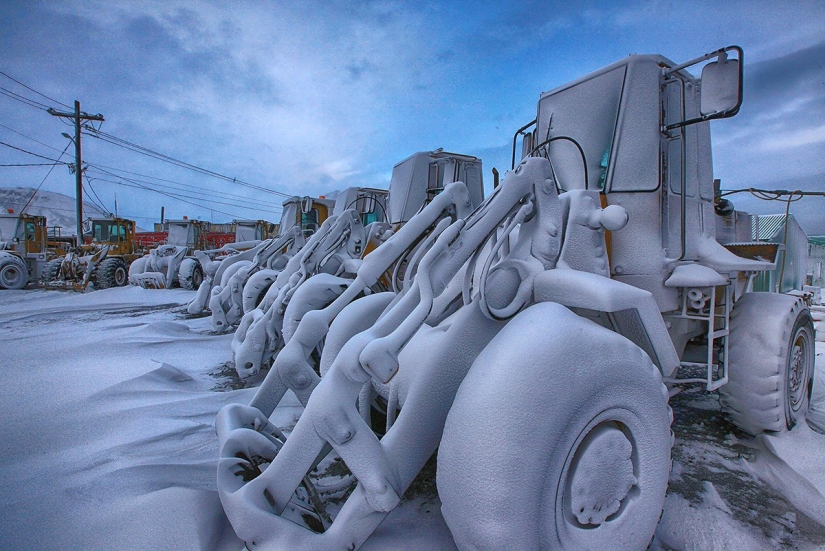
(302, 92)
(794, 138)
(306, 97)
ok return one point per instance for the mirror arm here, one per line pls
(719, 115)
(705, 57)
(722, 114)
(520, 131)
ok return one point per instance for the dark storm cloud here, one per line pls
(802, 71)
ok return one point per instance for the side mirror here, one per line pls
(721, 86)
(368, 204)
(526, 144)
(306, 204)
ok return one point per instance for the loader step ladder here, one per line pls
(717, 317)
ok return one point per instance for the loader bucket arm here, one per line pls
(342, 239)
(198, 303)
(260, 335)
(91, 266)
(292, 368)
(331, 417)
(229, 297)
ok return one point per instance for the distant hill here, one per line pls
(58, 209)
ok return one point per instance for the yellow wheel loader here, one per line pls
(24, 249)
(103, 262)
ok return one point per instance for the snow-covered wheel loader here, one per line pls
(252, 244)
(24, 249)
(416, 181)
(427, 364)
(230, 297)
(172, 264)
(535, 343)
(331, 251)
(104, 262)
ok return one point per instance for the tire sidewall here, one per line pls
(187, 272)
(802, 328)
(764, 327)
(51, 271)
(517, 419)
(559, 530)
(197, 277)
(120, 276)
(13, 275)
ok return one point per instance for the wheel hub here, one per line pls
(796, 373)
(601, 475)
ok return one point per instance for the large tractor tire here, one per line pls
(111, 273)
(13, 273)
(770, 363)
(558, 438)
(51, 271)
(190, 274)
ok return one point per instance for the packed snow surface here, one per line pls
(108, 403)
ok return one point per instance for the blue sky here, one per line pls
(308, 97)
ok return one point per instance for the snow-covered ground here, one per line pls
(107, 405)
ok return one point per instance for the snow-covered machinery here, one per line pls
(535, 345)
(308, 284)
(24, 249)
(252, 240)
(173, 264)
(104, 261)
(335, 250)
(253, 230)
(308, 213)
(300, 219)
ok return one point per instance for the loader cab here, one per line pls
(185, 233)
(422, 176)
(118, 233)
(251, 230)
(637, 132)
(26, 234)
(306, 212)
(370, 203)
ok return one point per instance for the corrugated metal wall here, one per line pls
(792, 262)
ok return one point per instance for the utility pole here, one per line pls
(78, 117)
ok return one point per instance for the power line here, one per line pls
(33, 164)
(57, 161)
(78, 117)
(51, 208)
(214, 196)
(114, 140)
(23, 99)
(180, 197)
(44, 178)
(276, 206)
(33, 90)
(29, 137)
(774, 194)
(200, 190)
(99, 201)
(141, 186)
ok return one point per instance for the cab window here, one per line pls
(309, 221)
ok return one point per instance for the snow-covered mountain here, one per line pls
(58, 209)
